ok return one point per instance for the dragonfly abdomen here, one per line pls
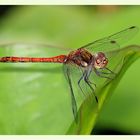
(56, 59)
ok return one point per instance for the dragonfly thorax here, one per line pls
(80, 57)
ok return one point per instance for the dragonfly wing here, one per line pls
(79, 92)
(67, 72)
(112, 42)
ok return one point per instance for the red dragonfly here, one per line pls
(89, 58)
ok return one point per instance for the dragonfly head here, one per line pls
(100, 60)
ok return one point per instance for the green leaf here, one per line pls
(28, 94)
(89, 111)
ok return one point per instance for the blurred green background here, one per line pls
(35, 101)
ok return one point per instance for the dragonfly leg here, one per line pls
(86, 79)
(87, 76)
(111, 72)
(92, 90)
(99, 73)
(79, 81)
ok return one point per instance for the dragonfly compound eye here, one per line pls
(98, 61)
(105, 61)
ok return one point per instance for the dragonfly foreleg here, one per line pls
(111, 72)
(99, 73)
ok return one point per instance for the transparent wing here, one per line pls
(78, 93)
(37, 49)
(79, 88)
(67, 72)
(30, 43)
(111, 42)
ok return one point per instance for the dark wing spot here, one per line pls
(132, 27)
(113, 41)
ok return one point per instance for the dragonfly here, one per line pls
(90, 58)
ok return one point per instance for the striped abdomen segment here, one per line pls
(56, 59)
